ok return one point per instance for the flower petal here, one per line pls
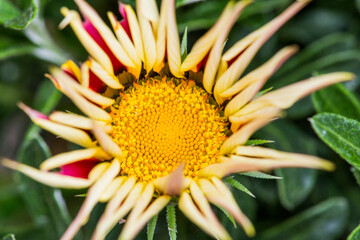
(92, 198)
(161, 39)
(258, 39)
(107, 78)
(217, 193)
(84, 37)
(106, 142)
(172, 40)
(51, 179)
(213, 60)
(72, 69)
(68, 133)
(112, 189)
(71, 157)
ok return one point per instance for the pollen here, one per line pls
(160, 123)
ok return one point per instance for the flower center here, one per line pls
(159, 124)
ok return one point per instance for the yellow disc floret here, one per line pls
(159, 124)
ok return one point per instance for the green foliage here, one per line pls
(151, 227)
(355, 235)
(171, 221)
(236, 184)
(341, 134)
(17, 14)
(330, 216)
(260, 175)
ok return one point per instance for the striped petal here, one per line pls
(258, 39)
(161, 39)
(172, 40)
(107, 78)
(68, 133)
(92, 198)
(71, 157)
(213, 60)
(51, 179)
(241, 136)
(217, 193)
(72, 69)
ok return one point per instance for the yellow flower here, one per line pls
(157, 127)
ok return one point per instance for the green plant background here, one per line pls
(304, 204)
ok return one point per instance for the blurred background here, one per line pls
(304, 204)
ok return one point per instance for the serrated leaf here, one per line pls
(325, 221)
(337, 99)
(355, 235)
(228, 215)
(259, 94)
(17, 14)
(260, 175)
(171, 220)
(341, 134)
(256, 142)
(236, 184)
(183, 46)
(151, 227)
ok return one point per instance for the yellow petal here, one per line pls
(135, 224)
(111, 217)
(285, 97)
(105, 33)
(72, 68)
(106, 142)
(68, 133)
(213, 61)
(71, 157)
(51, 179)
(241, 136)
(92, 198)
(75, 120)
(87, 41)
(172, 41)
(161, 39)
(108, 78)
(85, 75)
(203, 45)
(147, 36)
(125, 42)
(261, 36)
(217, 193)
(112, 189)
(135, 31)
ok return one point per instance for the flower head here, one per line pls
(157, 127)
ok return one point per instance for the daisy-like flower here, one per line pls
(158, 127)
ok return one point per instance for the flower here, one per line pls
(157, 127)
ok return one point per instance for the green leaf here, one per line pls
(356, 173)
(259, 94)
(226, 213)
(355, 235)
(9, 237)
(45, 205)
(341, 134)
(183, 46)
(255, 142)
(151, 227)
(171, 220)
(260, 175)
(236, 184)
(17, 14)
(337, 99)
(325, 221)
